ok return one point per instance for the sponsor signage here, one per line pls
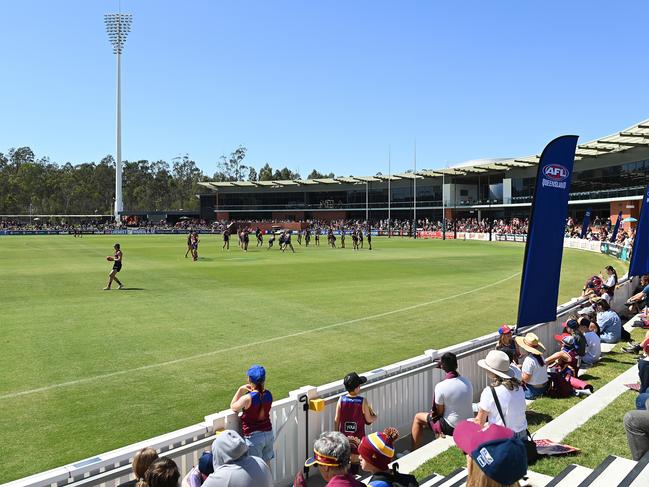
(544, 248)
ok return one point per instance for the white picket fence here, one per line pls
(396, 392)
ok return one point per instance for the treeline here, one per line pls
(37, 185)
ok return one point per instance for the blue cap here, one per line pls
(205, 465)
(504, 461)
(257, 374)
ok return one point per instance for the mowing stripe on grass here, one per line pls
(12, 395)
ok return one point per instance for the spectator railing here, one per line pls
(396, 392)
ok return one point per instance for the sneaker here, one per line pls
(632, 348)
(120, 286)
(583, 392)
(106, 289)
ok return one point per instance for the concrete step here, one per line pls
(609, 473)
(535, 479)
(639, 475)
(570, 476)
(456, 478)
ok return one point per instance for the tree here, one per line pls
(232, 168)
(252, 174)
(285, 174)
(266, 173)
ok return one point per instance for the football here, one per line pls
(110, 258)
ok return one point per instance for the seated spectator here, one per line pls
(593, 287)
(566, 360)
(197, 475)
(331, 452)
(353, 412)
(377, 451)
(609, 323)
(254, 401)
(516, 371)
(571, 327)
(609, 280)
(233, 465)
(141, 463)
(161, 473)
(534, 371)
(505, 340)
(505, 389)
(452, 402)
(495, 456)
(639, 300)
(593, 343)
(636, 425)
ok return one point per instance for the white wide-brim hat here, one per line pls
(497, 362)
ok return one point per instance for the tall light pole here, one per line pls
(389, 193)
(118, 26)
(414, 192)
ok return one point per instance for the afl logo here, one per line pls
(555, 172)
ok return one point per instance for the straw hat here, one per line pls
(531, 343)
(497, 362)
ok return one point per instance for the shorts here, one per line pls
(260, 444)
(117, 266)
(440, 426)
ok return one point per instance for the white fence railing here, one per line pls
(396, 391)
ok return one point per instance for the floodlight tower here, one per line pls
(118, 26)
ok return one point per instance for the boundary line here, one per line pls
(37, 390)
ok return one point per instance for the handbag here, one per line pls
(530, 446)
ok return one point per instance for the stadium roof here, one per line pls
(635, 136)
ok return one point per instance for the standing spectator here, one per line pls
(508, 392)
(593, 342)
(505, 340)
(234, 466)
(353, 412)
(161, 473)
(255, 401)
(452, 402)
(609, 322)
(534, 372)
(331, 452)
(141, 463)
(197, 475)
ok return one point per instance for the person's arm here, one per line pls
(337, 416)
(482, 417)
(118, 256)
(369, 415)
(557, 357)
(241, 399)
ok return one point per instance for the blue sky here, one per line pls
(327, 85)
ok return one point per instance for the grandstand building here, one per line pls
(610, 175)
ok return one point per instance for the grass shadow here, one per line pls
(133, 289)
(535, 418)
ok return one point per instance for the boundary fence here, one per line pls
(396, 391)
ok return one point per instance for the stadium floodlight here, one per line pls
(118, 27)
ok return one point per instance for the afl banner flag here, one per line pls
(584, 228)
(640, 254)
(544, 248)
(616, 227)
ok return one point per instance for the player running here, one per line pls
(226, 240)
(299, 236)
(369, 237)
(342, 237)
(117, 266)
(245, 235)
(307, 237)
(271, 241)
(317, 236)
(260, 237)
(360, 236)
(287, 241)
(355, 239)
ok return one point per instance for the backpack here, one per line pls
(559, 386)
(396, 479)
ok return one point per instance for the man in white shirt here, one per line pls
(452, 403)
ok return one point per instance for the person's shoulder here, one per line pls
(379, 483)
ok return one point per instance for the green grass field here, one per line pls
(85, 370)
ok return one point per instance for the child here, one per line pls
(353, 412)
